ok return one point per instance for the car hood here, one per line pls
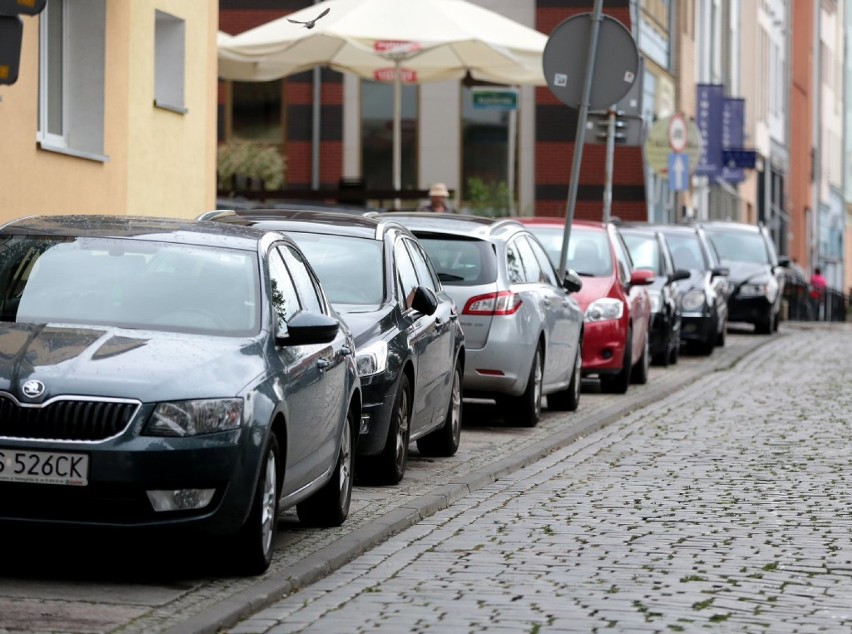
(110, 362)
(593, 288)
(367, 326)
(743, 271)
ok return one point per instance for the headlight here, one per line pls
(656, 300)
(192, 418)
(760, 288)
(372, 359)
(604, 309)
(692, 300)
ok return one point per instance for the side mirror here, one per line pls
(679, 274)
(720, 271)
(307, 327)
(784, 261)
(572, 282)
(425, 301)
(642, 277)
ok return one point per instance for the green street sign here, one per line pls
(495, 98)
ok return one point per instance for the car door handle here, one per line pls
(546, 301)
(322, 364)
(344, 351)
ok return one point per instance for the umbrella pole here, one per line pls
(397, 132)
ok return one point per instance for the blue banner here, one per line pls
(710, 100)
(733, 136)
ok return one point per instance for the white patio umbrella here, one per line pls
(403, 41)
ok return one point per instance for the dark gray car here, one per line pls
(166, 374)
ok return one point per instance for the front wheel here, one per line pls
(330, 505)
(639, 374)
(389, 466)
(445, 440)
(253, 545)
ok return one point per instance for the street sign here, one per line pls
(494, 98)
(658, 145)
(678, 172)
(739, 159)
(566, 54)
(677, 133)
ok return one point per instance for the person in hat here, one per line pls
(438, 195)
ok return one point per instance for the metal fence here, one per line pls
(803, 305)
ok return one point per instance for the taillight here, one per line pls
(502, 303)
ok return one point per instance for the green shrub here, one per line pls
(260, 163)
(487, 199)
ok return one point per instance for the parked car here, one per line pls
(160, 373)
(704, 296)
(410, 346)
(756, 272)
(523, 327)
(649, 251)
(615, 303)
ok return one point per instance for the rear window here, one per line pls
(460, 260)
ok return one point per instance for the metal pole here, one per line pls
(610, 154)
(510, 162)
(397, 131)
(315, 132)
(597, 18)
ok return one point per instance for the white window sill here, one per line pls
(91, 156)
(170, 108)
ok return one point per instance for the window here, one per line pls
(71, 78)
(306, 286)
(514, 265)
(547, 271)
(284, 298)
(169, 62)
(534, 274)
(257, 111)
(407, 275)
(421, 265)
(485, 143)
(377, 135)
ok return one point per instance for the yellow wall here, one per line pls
(160, 162)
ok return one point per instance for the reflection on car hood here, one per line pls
(743, 271)
(145, 365)
(367, 326)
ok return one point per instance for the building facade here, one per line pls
(113, 110)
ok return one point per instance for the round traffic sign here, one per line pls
(658, 145)
(677, 133)
(565, 61)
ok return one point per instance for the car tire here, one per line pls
(663, 358)
(568, 400)
(525, 410)
(639, 373)
(330, 505)
(444, 441)
(252, 547)
(388, 467)
(618, 383)
(764, 326)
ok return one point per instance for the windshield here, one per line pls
(644, 251)
(686, 252)
(129, 284)
(351, 269)
(739, 246)
(588, 251)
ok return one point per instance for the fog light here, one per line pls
(606, 354)
(180, 499)
(365, 424)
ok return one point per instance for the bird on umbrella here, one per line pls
(310, 23)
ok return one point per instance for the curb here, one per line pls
(324, 561)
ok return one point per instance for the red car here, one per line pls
(615, 303)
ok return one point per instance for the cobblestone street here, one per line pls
(724, 505)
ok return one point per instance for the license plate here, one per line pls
(44, 467)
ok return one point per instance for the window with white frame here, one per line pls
(71, 78)
(169, 62)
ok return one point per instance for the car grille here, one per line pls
(69, 419)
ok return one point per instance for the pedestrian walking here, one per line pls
(818, 286)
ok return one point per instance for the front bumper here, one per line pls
(603, 347)
(750, 309)
(378, 395)
(697, 327)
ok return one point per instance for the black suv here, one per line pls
(704, 296)
(409, 343)
(756, 272)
